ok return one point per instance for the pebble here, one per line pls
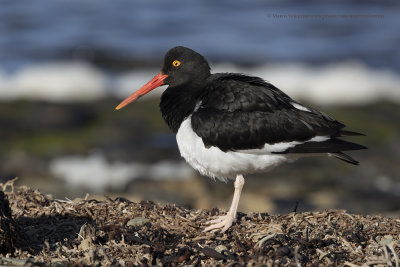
(386, 240)
(85, 245)
(138, 221)
(220, 248)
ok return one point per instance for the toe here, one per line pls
(226, 226)
(217, 220)
(222, 224)
(214, 226)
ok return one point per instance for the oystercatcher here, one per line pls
(230, 124)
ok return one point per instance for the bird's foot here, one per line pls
(222, 222)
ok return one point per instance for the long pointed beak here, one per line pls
(157, 81)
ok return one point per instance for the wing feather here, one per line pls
(239, 112)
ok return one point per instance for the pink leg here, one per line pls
(226, 221)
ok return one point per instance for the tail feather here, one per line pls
(342, 133)
(333, 147)
(344, 157)
(329, 146)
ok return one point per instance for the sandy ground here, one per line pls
(37, 229)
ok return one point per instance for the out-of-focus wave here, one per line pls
(98, 175)
(54, 82)
(346, 82)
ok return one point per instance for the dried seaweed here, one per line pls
(120, 232)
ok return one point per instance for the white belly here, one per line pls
(215, 163)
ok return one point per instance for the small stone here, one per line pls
(138, 221)
(85, 245)
(386, 240)
(13, 262)
(220, 248)
(58, 262)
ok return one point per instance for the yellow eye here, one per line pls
(176, 63)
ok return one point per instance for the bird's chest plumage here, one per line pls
(213, 162)
(177, 104)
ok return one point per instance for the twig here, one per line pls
(9, 183)
(350, 264)
(297, 256)
(387, 257)
(295, 208)
(262, 240)
(396, 257)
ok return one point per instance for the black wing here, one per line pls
(240, 112)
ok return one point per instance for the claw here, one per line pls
(222, 222)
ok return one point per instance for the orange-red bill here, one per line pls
(157, 81)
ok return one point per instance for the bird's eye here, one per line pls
(176, 63)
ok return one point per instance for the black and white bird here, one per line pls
(230, 124)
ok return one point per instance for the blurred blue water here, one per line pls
(230, 30)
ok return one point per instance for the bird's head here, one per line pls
(181, 66)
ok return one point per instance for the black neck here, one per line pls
(177, 103)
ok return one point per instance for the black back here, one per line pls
(243, 112)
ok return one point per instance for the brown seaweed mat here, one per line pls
(37, 229)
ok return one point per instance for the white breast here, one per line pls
(226, 165)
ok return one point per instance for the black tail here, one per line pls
(332, 145)
(344, 157)
(342, 133)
